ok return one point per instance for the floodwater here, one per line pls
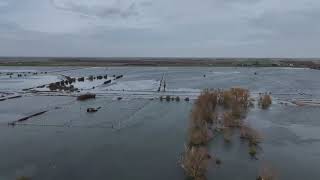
(140, 137)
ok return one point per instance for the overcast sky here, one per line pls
(196, 28)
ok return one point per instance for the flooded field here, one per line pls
(47, 134)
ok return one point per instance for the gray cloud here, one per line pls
(101, 11)
(3, 3)
(295, 25)
(250, 28)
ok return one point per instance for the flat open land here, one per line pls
(162, 62)
(135, 135)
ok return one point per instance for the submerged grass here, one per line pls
(250, 134)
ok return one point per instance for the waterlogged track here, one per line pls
(136, 136)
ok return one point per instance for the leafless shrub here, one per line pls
(236, 98)
(227, 99)
(204, 107)
(208, 100)
(265, 101)
(198, 135)
(195, 162)
(241, 95)
(230, 121)
(201, 116)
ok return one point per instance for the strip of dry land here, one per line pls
(219, 62)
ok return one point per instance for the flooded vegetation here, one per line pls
(92, 123)
(205, 123)
(87, 96)
(265, 101)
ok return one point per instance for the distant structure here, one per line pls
(162, 83)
